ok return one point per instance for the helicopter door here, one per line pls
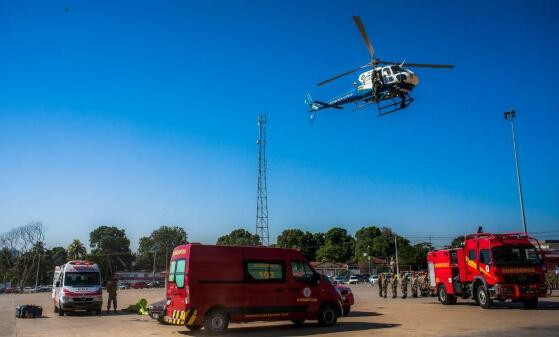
(387, 74)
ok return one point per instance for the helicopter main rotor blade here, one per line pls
(368, 43)
(420, 65)
(342, 75)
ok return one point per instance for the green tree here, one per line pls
(76, 250)
(110, 249)
(364, 242)
(297, 239)
(239, 237)
(161, 243)
(458, 241)
(338, 246)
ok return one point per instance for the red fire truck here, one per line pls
(489, 267)
(210, 286)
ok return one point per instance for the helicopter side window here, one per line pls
(396, 69)
(387, 75)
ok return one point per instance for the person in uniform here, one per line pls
(394, 285)
(404, 284)
(414, 284)
(112, 286)
(384, 286)
(381, 281)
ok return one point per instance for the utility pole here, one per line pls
(37, 274)
(510, 115)
(154, 255)
(262, 191)
(369, 258)
(397, 263)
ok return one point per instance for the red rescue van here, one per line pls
(211, 286)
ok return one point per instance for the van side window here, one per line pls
(484, 256)
(264, 271)
(472, 254)
(179, 273)
(301, 271)
(172, 271)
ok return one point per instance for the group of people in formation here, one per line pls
(418, 282)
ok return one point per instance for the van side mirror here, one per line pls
(57, 284)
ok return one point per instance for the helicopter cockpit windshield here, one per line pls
(396, 69)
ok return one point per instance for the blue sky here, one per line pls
(141, 114)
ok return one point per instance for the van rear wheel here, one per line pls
(328, 315)
(216, 321)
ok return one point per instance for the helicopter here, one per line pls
(388, 84)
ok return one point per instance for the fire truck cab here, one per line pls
(210, 286)
(489, 267)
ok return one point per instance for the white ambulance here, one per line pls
(77, 286)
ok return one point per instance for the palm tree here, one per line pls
(76, 250)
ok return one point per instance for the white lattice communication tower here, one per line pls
(262, 192)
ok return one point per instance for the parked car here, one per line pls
(154, 284)
(373, 279)
(12, 290)
(156, 310)
(123, 286)
(353, 279)
(29, 290)
(347, 298)
(138, 285)
(339, 279)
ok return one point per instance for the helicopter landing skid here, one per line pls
(398, 103)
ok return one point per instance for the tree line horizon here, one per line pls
(23, 249)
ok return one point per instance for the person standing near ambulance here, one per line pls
(112, 287)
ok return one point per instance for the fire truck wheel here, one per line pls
(328, 315)
(445, 298)
(531, 303)
(216, 321)
(483, 297)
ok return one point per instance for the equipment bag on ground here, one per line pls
(29, 311)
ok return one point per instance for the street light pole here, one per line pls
(510, 115)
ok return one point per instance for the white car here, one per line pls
(353, 280)
(373, 279)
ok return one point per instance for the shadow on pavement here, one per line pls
(363, 314)
(307, 329)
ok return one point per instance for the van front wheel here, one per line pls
(216, 321)
(328, 315)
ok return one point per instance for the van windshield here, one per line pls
(516, 256)
(81, 279)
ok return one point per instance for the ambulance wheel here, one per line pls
(483, 297)
(445, 298)
(531, 303)
(194, 327)
(216, 321)
(328, 315)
